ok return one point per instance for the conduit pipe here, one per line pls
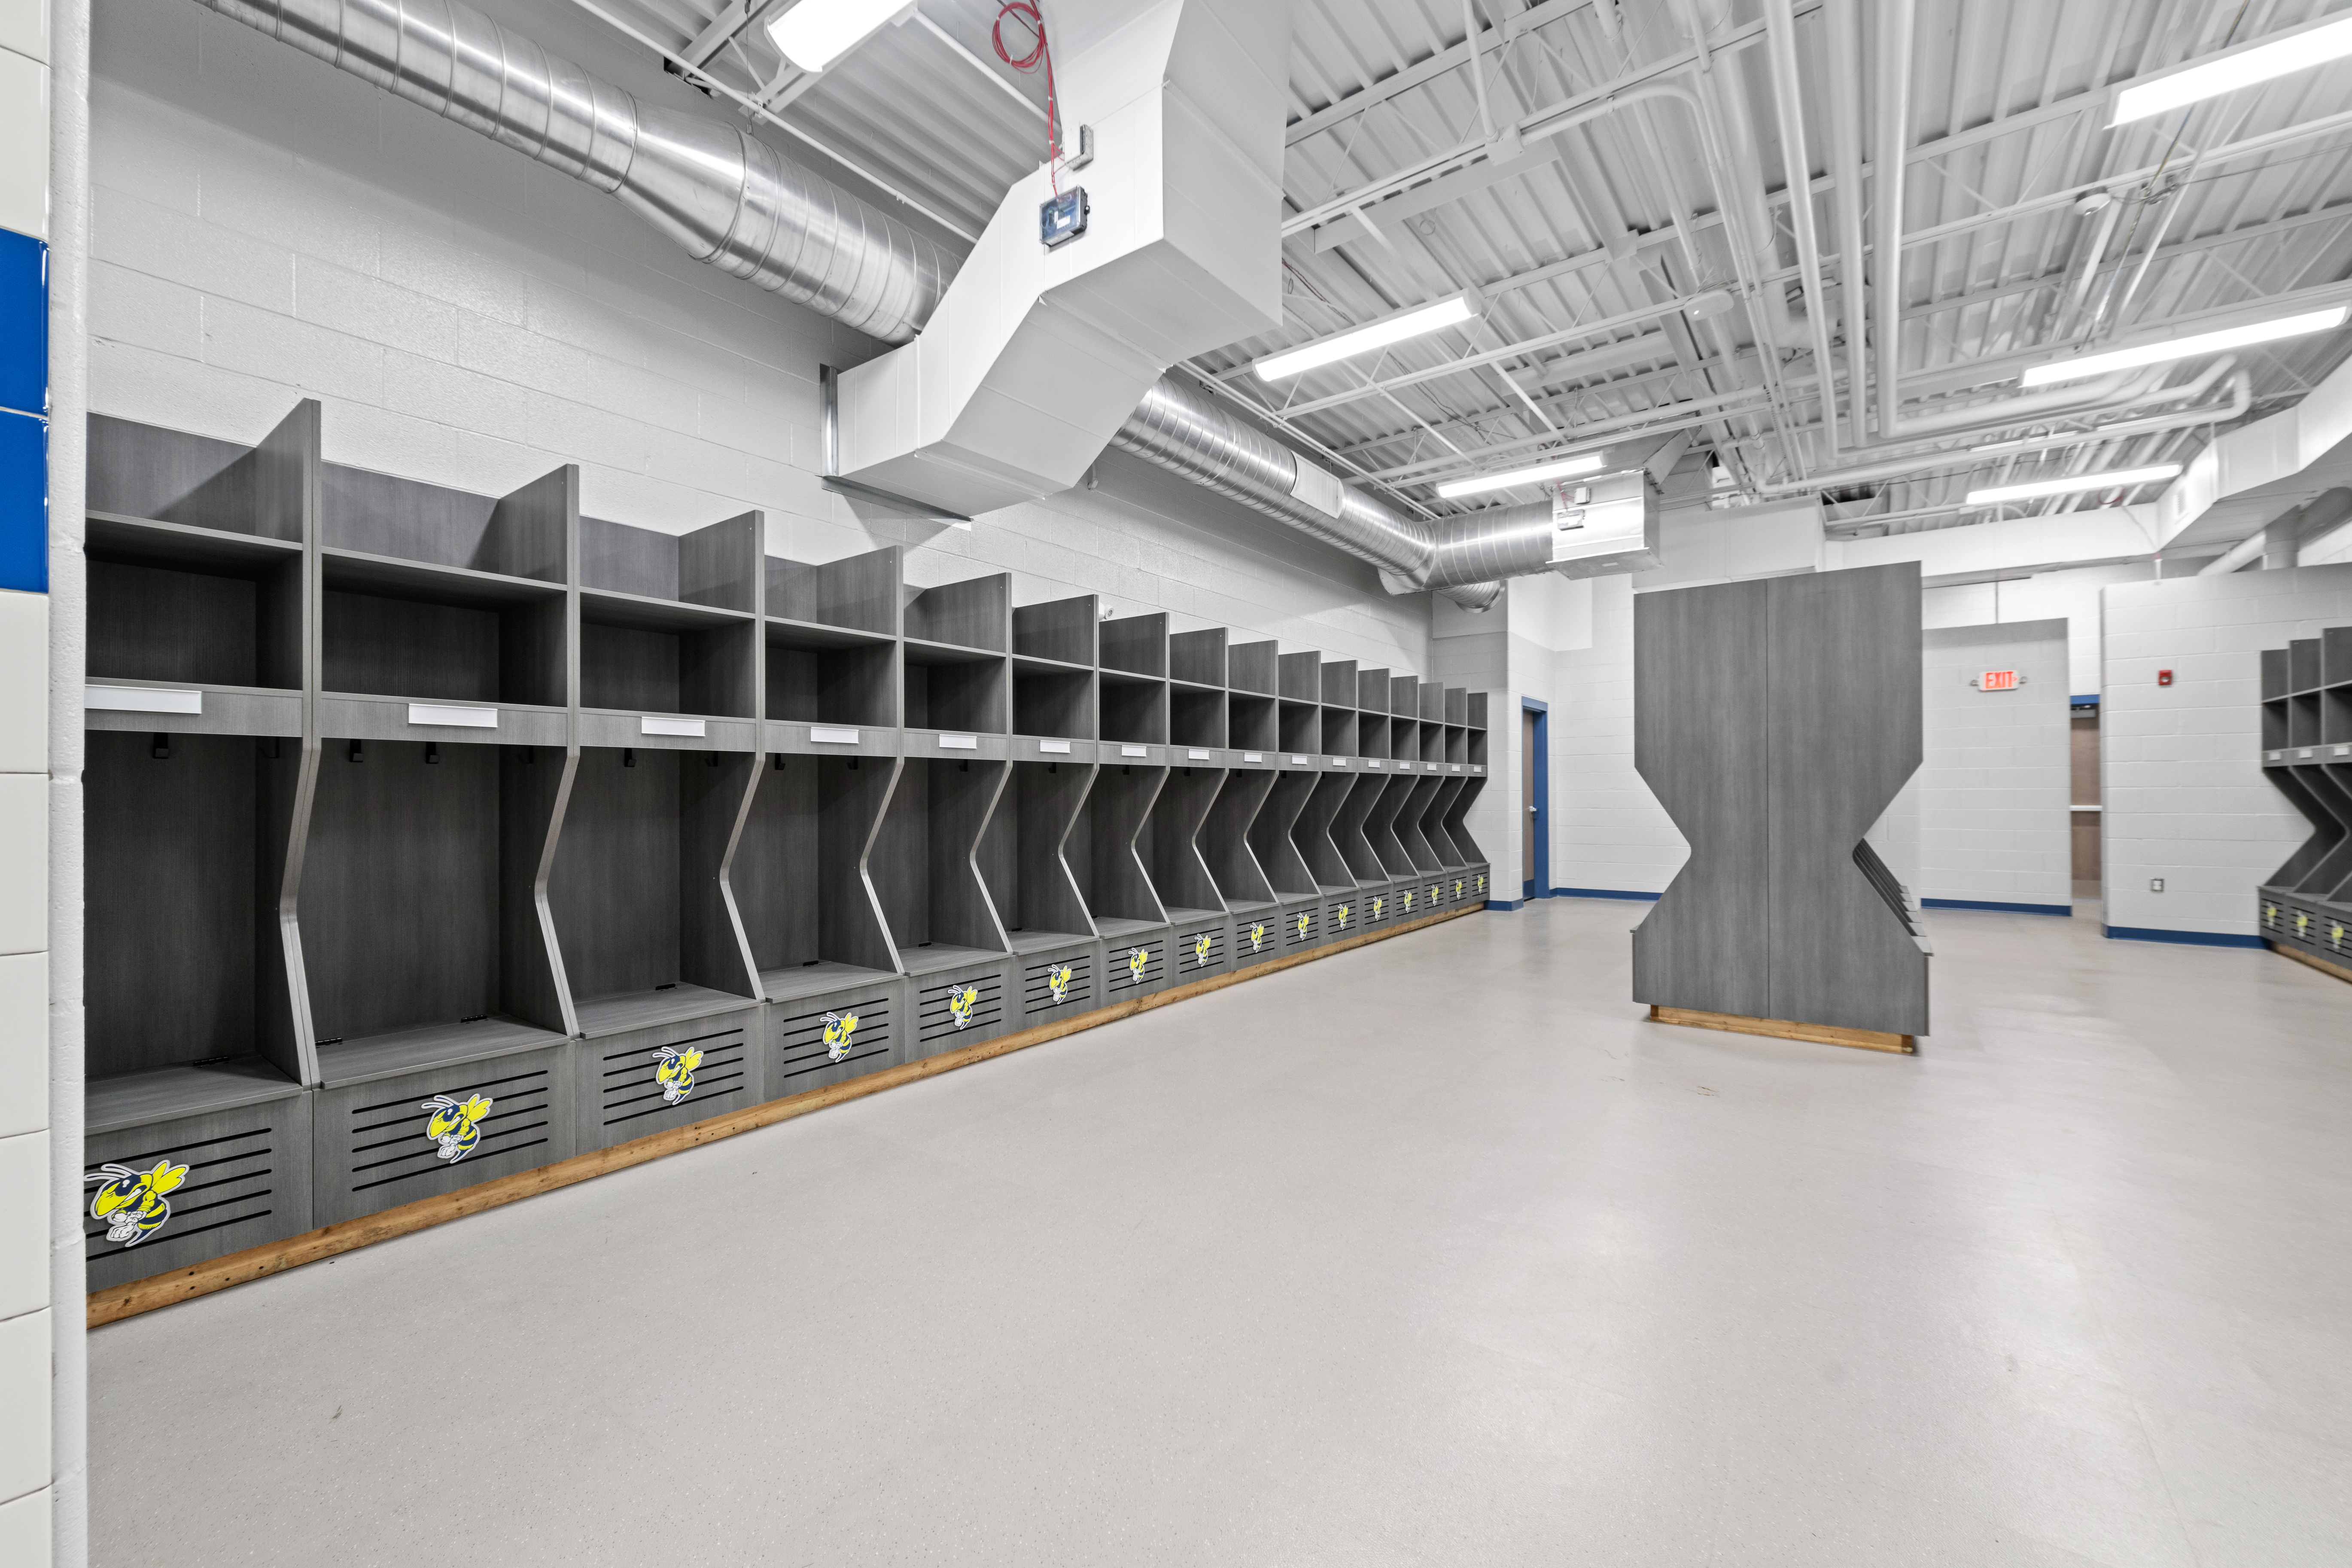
(2241, 399)
(726, 197)
(1845, 170)
(1888, 149)
(1798, 171)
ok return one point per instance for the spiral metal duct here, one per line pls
(727, 197)
(1177, 427)
(729, 200)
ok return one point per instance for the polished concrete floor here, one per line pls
(1430, 1253)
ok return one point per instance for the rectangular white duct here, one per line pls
(2248, 475)
(1036, 357)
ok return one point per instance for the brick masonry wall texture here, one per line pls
(2182, 783)
(269, 228)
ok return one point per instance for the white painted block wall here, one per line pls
(2072, 597)
(2182, 783)
(269, 228)
(1992, 787)
(26, 1350)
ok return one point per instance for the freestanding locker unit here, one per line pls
(1775, 719)
(436, 838)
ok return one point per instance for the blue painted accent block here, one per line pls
(24, 324)
(1601, 893)
(2186, 938)
(24, 503)
(1505, 906)
(2066, 910)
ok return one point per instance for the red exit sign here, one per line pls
(1999, 680)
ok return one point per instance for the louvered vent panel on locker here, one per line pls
(229, 1183)
(812, 1042)
(632, 1086)
(940, 1015)
(1199, 952)
(388, 1143)
(1135, 965)
(1076, 975)
(1342, 917)
(1298, 928)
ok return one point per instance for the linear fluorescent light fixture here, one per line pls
(2262, 62)
(1479, 484)
(816, 33)
(2080, 482)
(2185, 348)
(1450, 312)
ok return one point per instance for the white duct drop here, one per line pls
(1036, 357)
(1321, 490)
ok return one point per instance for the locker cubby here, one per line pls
(1198, 658)
(640, 916)
(196, 577)
(1251, 724)
(1312, 833)
(1022, 859)
(188, 1007)
(1196, 717)
(932, 902)
(1050, 699)
(1270, 835)
(670, 627)
(954, 668)
(1349, 838)
(833, 644)
(1134, 709)
(433, 594)
(1105, 854)
(1169, 842)
(1240, 879)
(421, 936)
(809, 914)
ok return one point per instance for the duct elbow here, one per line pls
(1475, 597)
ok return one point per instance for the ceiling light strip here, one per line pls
(1479, 484)
(2186, 348)
(2075, 485)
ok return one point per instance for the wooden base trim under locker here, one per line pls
(121, 1301)
(1784, 1029)
(2321, 964)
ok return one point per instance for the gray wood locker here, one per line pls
(1775, 720)
(434, 837)
(2306, 905)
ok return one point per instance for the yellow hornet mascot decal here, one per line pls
(838, 1027)
(1137, 958)
(131, 1203)
(673, 1071)
(1201, 946)
(1343, 913)
(1304, 921)
(1407, 896)
(457, 1128)
(960, 1003)
(1482, 881)
(1257, 935)
(1457, 887)
(1379, 907)
(1057, 981)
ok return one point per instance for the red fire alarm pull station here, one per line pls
(2164, 677)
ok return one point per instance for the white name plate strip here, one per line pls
(1253, 756)
(1339, 761)
(959, 743)
(1060, 748)
(462, 718)
(1196, 756)
(655, 724)
(1300, 762)
(142, 700)
(1135, 750)
(1371, 762)
(833, 737)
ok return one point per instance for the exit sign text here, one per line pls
(1998, 680)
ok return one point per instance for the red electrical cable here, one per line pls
(1026, 10)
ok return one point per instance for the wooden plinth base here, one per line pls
(2321, 964)
(121, 1301)
(1783, 1029)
